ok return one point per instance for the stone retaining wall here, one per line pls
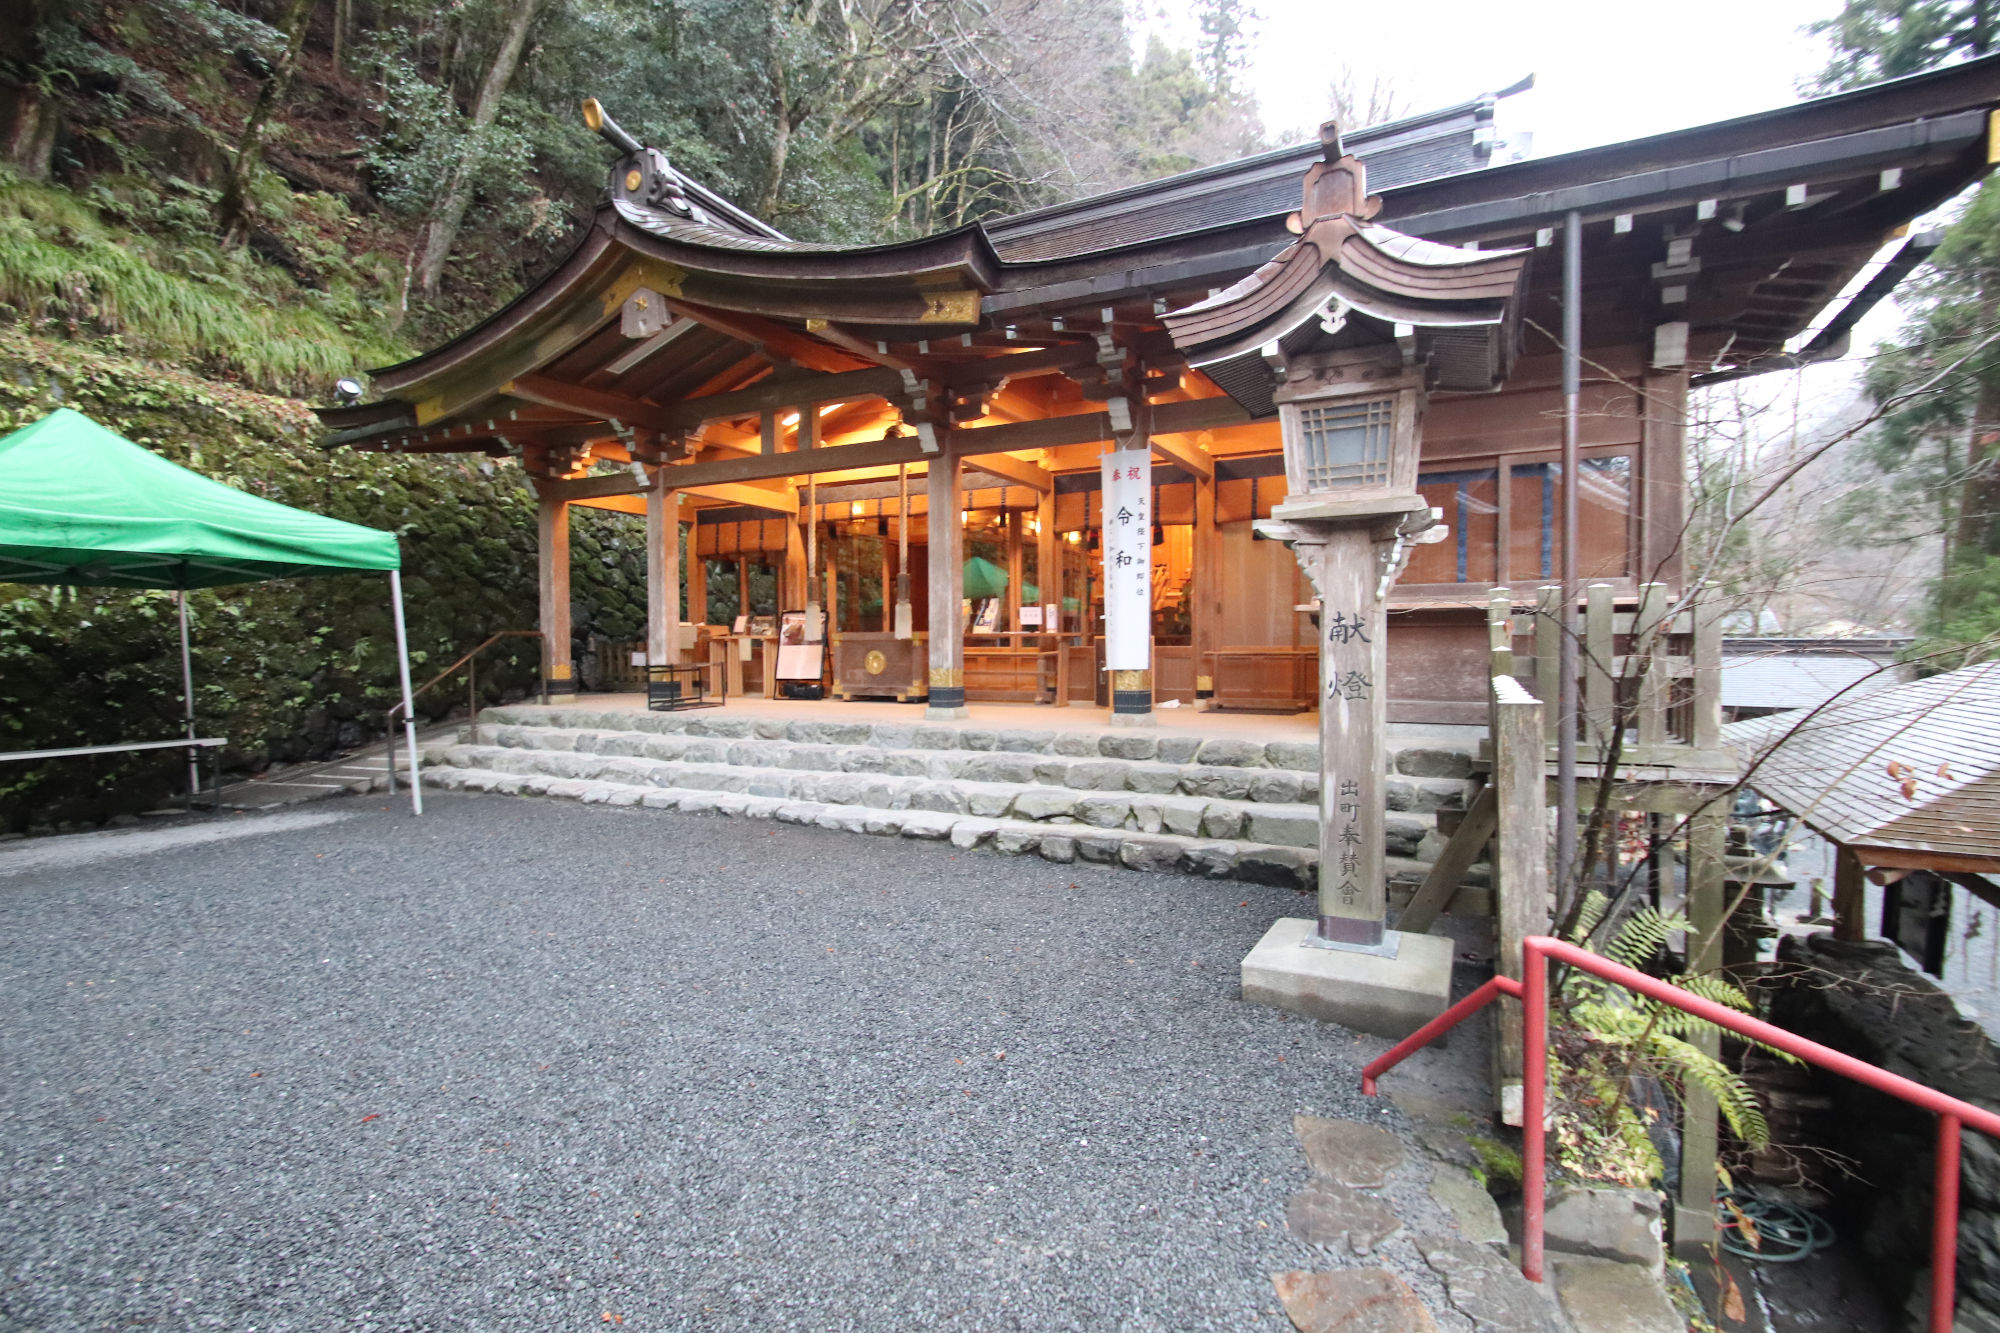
(1866, 1000)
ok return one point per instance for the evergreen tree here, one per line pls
(1938, 445)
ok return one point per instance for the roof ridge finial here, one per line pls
(1329, 137)
(1337, 185)
(642, 175)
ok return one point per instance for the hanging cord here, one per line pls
(1770, 1231)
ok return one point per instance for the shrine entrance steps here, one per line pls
(1216, 805)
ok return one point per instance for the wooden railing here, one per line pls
(1655, 668)
(470, 663)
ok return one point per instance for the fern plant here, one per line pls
(1613, 1042)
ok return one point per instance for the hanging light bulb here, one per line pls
(856, 509)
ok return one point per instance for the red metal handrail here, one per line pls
(1532, 990)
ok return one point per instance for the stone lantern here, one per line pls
(1343, 336)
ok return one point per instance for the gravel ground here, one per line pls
(528, 1065)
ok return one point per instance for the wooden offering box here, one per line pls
(880, 666)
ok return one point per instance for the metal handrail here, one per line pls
(471, 689)
(1532, 991)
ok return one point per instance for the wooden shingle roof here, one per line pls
(1909, 775)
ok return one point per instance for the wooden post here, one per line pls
(552, 551)
(888, 591)
(1548, 654)
(944, 492)
(1013, 620)
(1708, 674)
(1353, 717)
(1048, 557)
(1850, 896)
(792, 589)
(1649, 641)
(1205, 612)
(1521, 900)
(697, 576)
(1598, 647)
(663, 575)
(1694, 1211)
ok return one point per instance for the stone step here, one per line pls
(1427, 758)
(1149, 777)
(1213, 858)
(1282, 824)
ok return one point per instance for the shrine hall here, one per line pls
(1041, 459)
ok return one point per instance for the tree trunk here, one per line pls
(231, 215)
(442, 232)
(28, 124)
(781, 122)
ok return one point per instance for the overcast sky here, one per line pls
(1605, 70)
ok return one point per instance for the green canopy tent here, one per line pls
(80, 505)
(983, 578)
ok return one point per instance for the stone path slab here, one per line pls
(1470, 1206)
(1330, 1215)
(1355, 1300)
(1347, 1151)
(1604, 1296)
(1487, 1289)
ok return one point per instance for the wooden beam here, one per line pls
(784, 501)
(589, 488)
(1465, 847)
(792, 392)
(1182, 455)
(865, 348)
(973, 442)
(576, 398)
(1016, 472)
(770, 335)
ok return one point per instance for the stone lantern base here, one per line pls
(1388, 996)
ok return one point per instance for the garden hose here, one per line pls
(1769, 1230)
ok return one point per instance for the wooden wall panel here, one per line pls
(1438, 663)
(1260, 584)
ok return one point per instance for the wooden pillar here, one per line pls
(792, 591)
(1205, 612)
(1850, 896)
(831, 581)
(944, 493)
(742, 585)
(663, 576)
(697, 576)
(552, 550)
(888, 591)
(1521, 832)
(1048, 559)
(1013, 621)
(1694, 1210)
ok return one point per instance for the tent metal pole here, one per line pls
(187, 696)
(409, 707)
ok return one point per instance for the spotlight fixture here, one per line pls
(346, 391)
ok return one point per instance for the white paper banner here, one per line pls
(1127, 477)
